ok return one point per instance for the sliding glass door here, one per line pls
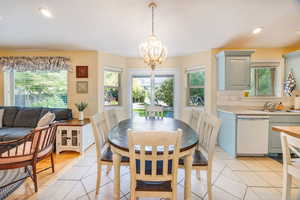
(152, 90)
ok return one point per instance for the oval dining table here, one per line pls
(118, 140)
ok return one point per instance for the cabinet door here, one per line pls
(238, 73)
(274, 137)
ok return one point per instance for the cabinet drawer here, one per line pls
(285, 119)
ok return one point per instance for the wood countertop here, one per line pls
(290, 130)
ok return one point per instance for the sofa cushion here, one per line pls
(46, 120)
(13, 133)
(10, 114)
(27, 117)
(61, 113)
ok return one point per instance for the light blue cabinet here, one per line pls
(227, 134)
(234, 70)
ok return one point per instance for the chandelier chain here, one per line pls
(152, 20)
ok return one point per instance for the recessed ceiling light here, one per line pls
(46, 12)
(257, 30)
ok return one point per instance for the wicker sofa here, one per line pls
(19, 121)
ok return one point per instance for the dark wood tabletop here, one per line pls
(118, 134)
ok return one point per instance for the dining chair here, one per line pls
(111, 118)
(28, 151)
(153, 163)
(194, 118)
(154, 111)
(103, 150)
(291, 167)
(203, 156)
(123, 114)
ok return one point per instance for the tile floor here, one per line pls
(233, 179)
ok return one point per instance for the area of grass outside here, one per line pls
(141, 112)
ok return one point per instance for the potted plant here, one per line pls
(81, 107)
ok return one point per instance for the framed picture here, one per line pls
(82, 71)
(82, 87)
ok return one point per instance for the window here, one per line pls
(196, 85)
(41, 89)
(112, 87)
(263, 81)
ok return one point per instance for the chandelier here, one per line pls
(152, 50)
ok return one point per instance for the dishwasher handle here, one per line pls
(251, 117)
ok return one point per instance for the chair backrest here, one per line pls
(38, 143)
(209, 127)
(194, 119)
(122, 114)
(100, 131)
(155, 111)
(289, 145)
(155, 154)
(111, 118)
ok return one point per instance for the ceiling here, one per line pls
(119, 26)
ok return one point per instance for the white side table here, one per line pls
(74, 135)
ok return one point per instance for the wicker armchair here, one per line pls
(28, 151)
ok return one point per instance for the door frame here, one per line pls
(161, 71)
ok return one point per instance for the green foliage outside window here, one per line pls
(42, 89)
(165, 92)
(196, 81)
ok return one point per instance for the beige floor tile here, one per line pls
(251, 178)
(78, 191)
(222, 155)
(86, 161)
(273, 165)
(56, 191)
(236, 165)
(255, 165)
(219, 194)
(229, 174)
(75, 173)
(274, 179)
(235, 188)
(89, 182)
(219, 165)
(250, 195)
(267, 193)
(106, 192)
(295, 194)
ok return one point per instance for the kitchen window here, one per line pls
(264, 80)
(195, 87)
(112, 87)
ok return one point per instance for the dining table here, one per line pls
(118, 139)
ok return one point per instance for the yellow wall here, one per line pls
(88, 58)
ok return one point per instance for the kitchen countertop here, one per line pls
(252, 111)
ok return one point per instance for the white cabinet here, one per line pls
(234, 70)
(252, 135)
(74, 135)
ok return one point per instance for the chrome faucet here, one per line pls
(269, 106)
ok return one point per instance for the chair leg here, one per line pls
(99, 174)
(286, 190)
(209, 186)
(34, 177)
(52, 163)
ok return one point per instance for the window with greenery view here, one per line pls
(263, 81)
(42, 89)
(196, 85)
(112, 88)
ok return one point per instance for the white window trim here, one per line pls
(201, 68)
(113, 69)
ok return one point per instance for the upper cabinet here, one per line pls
(234, 70)
(292, 63)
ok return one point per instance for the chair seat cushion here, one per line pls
(159, 186)
(198, 159)
(107, 156)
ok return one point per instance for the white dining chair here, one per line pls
(291, 167)
(154, 111)
(203, 156)
(122, 114)
(111, 118)
(194, 118)
(153, 163)
(103, 150)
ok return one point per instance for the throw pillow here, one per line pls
(46, 120)
(1, 117)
